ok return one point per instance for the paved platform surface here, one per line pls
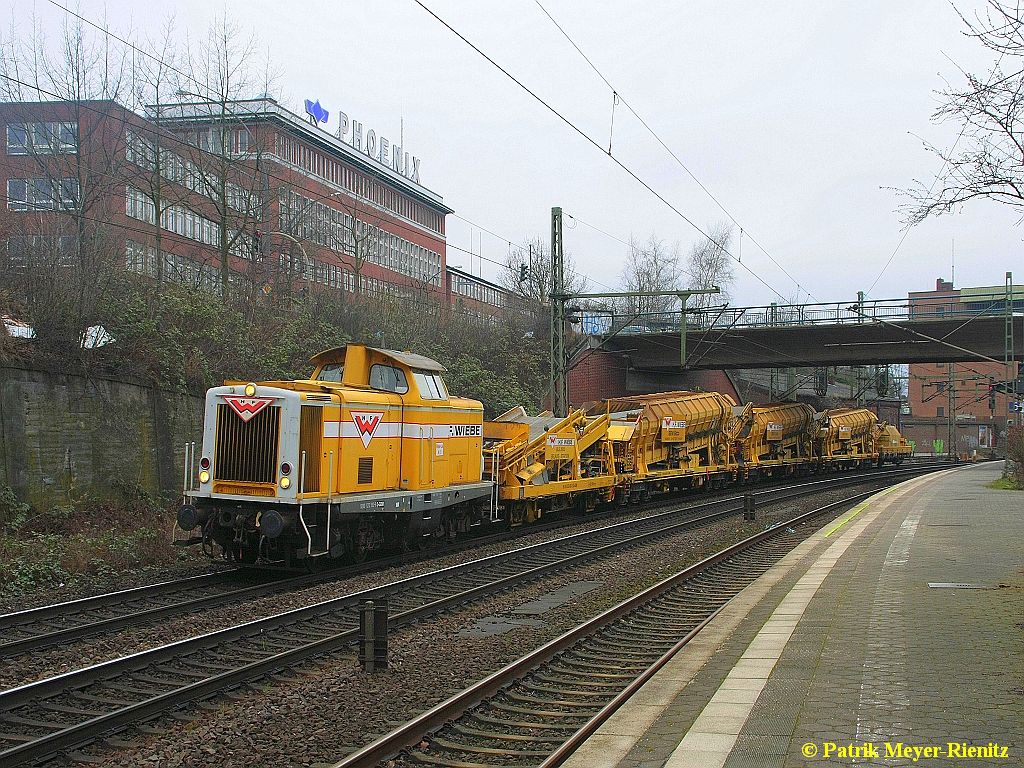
(902, 623)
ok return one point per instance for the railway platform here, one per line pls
(893, 636)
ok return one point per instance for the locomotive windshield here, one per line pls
(388, 378)
(430, 385)
(331, 372)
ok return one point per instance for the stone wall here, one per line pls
(64, 436)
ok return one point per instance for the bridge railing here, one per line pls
(830, 313)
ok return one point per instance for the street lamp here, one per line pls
(294, 240)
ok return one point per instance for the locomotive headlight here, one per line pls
(250, 390)
(204, 476)
(285, 482)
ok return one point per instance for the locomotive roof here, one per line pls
(411, 359)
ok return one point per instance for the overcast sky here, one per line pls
(798, 116)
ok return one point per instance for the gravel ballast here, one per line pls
(331, 708)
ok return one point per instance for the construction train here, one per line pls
(372, 452)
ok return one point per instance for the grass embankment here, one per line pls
(1004, 484)
(67, 545)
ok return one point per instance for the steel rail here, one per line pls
(73, 609)
(88, 730)
(427, 722)
(43, 612)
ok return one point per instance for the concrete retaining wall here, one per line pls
(64, 436)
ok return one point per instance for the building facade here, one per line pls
(960, 401)
(203, 193)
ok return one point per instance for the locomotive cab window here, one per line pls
(388, 379)
(331, 372)
(430, 385)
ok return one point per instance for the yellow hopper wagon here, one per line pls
(371, 451)
(774, 438)
(846, 437)
(672, 440)
(890, 445)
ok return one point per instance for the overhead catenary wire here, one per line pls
(398, 225)
(590, 140)
(660, 197)
(618, 98)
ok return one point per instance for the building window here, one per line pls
(36, 250)
(940, 411)
(42, 194)
(144, 260)
(42, 138)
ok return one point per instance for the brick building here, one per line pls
(473, 295)
(199, 193)
(944, 397)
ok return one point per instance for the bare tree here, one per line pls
(345, 225)
(220, 69)
(651, 266)
(709, 265)
(987, 162)
(526, 273)
(61, 249)
(149, 147)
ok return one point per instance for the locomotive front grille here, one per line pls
(246, 451)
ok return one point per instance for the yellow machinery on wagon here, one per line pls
(544, 463)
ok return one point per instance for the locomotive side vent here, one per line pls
(365, 476)
(311, 432)
(246, 451)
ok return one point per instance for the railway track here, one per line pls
(63, 622)
(72, 621)
(539, 709)
(57, 714)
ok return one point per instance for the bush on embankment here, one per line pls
(68, 544)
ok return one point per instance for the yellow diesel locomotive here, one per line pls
(370, 449)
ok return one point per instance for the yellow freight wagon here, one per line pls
(545, 464)
(845, 436)
(890, 445)
(672, 439)
(773, 435)
(370, 450)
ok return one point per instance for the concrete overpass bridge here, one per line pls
(891, 331)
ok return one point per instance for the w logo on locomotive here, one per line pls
(247, 407)
(366, 423)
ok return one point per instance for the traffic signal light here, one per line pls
(523, 273)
